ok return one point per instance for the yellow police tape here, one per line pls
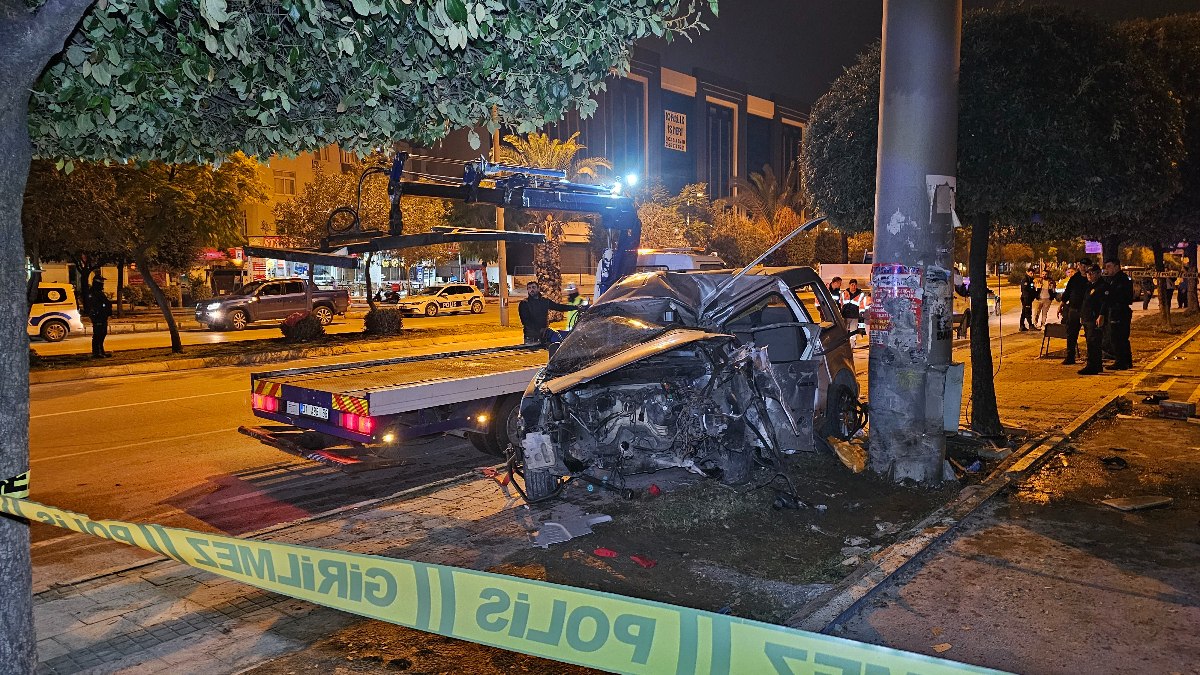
(573, 625)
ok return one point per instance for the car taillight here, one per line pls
(362, 424)
(265, 403)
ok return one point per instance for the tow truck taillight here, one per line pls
(265, 403)
(362, 424)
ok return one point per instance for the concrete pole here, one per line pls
(912, 279)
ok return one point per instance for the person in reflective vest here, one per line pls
(573, 298)
(852, 301)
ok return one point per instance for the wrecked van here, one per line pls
(706, 370)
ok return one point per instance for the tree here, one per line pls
(1172, 45)
(765, 196)
(187, 81)
(1058, 116)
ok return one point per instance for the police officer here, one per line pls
(573, 298)
(99, 309)
(1092, 313)
(1119, 289)
(1028, 295)
(1072, 302)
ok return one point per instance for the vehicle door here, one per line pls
(449, 298)
(777, 321)
(462, 297)
(269, 301)
(837, 362)
(293, 299)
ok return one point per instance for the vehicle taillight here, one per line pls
(265, 403)
(362, 424)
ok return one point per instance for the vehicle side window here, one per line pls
(293, 287)
(51, 295)
(810, 300)
(769, 310)
(269, 290)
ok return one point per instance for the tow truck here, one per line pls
(359, 416)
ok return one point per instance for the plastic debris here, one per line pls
(942, 647)
(887, 528)
(654, 490)
(852, 453)
(1115, 463)
(975, 467)
(605, 552)
(643, 561)
(851, 561)
(1138, 503)
(857, 541)
(553, 532)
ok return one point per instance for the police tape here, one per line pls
(573, 625)
(16, 487)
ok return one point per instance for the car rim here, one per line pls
(431, 310)
(324, 316)
(55, 332)
(477, 307)
(238, 320)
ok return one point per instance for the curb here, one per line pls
(826, 613)
(141, 368)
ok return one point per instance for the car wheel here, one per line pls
(506, 425)
(323, 314)
(841, 413)
(237, 319)
(476, 307)
(431, 309)
(54, 331)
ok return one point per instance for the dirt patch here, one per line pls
(740, 550)
(245, 348)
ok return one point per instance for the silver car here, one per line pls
(702, 370)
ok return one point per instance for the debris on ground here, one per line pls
(605, 552)
(654, 490)
(852, 453)
(942, 647)
(643, 561)
(566, 529)
(1116, 449)
(1115, 463)
(1176, 410)
(1138, 503)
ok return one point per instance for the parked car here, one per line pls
(704, 370)
(437, 299)
(271, 299)
(654, 259)
(55, 314)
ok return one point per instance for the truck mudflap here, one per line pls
(346, 459)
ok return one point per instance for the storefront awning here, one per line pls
(302, 256)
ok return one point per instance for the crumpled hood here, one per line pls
(672, 339)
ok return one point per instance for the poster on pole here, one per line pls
(896, 305)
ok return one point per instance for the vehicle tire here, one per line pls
(481, 442)
(505, 429)
(54, 330)
(323, 314)
(238, 320)
(540, 484)
(476, 307)
(841, 413)
(431, 309)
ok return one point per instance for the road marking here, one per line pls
(134, 445)
(129, 405)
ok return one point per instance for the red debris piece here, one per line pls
(489, 471)
(605, 552)
(643, 561)
(654, 490)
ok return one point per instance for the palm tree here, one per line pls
(765, 197)
(543, 152)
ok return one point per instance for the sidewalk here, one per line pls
(167, 617)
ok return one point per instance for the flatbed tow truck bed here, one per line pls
(374, 406)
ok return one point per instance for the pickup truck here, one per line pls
(271, 299)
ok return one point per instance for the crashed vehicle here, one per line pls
(703, 370)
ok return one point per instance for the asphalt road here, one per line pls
(164, 448)
(82, 344)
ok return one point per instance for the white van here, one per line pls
(54, 315)
(677, 259)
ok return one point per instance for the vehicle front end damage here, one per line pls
(686, 398)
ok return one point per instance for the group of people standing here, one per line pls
(852, 300)
(1097, 300)
(1037, 294)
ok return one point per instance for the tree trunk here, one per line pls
(1111, 245)
(370, 296)
(985, 415)
(1164, 307)
(843, 247)
(120, 287)
(139, 259)
(547, 263)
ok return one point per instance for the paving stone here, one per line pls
(49, 648)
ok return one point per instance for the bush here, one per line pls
(132, 295)
(35, 359)
(384, 321)
(198, 288)
(301, 327)
(1016, 275)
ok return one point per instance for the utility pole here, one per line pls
(912, 277)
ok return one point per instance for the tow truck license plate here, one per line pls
(294, 408)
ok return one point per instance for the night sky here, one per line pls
(794, 49)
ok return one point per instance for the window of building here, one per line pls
(628, 126)
(792, 137)
(720, 150)
(758, 146)
(285, 182)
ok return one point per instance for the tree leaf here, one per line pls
(168, 8)
(456, 10)
(215, 12)
(361, 7)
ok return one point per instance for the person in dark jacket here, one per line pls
(1071, 304)
(1028, 295)
(535, 310)
(99, 309)
(1147, 291)
(1119, 292)
(1092, 314)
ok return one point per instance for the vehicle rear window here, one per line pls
(51, 295)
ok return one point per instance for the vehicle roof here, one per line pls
(702, 288)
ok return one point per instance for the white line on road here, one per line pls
(128, 405)
(134, 445)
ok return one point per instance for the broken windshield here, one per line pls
(603, 335)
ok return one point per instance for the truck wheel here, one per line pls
(431, 309)
(54, 331)
(237, 319)
(505, 429)
(323, 314)
(476, 307)
(540, 484)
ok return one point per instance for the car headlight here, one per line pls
(213, 305)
